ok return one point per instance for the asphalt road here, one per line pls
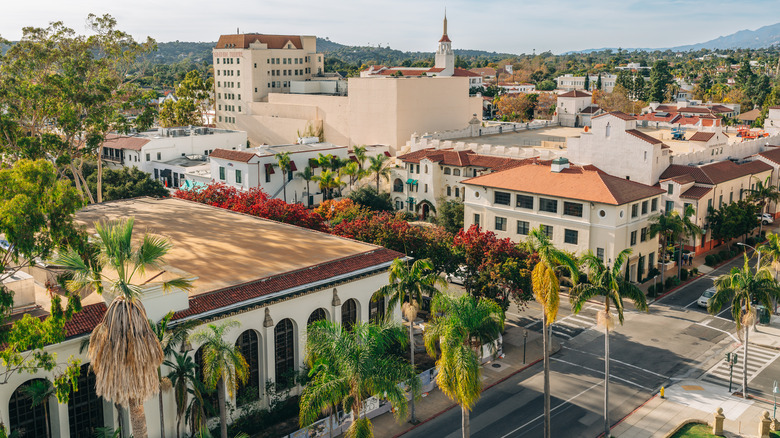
(670, 341)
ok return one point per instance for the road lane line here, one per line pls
(612, 376)
(617, 361)
(569, 400)
(694, 302)
(717, 329)
(723, 311)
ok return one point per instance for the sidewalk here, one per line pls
(435, 403)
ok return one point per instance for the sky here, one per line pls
(505, 26)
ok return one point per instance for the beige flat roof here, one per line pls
(525, 138)
(222, 248)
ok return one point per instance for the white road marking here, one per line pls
(723, 311)
(707, 321)
(554, 408)
(618, 361)
(694, 302)
(611, 376)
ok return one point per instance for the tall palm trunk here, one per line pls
(412, 418)
(138, 418)
(546, 355)
(284, 186)
(308, 199)
(46, 417)
(606, 380)
(663, 262)
(100, 174)
(745, 364)
(464, 422)
(222, 410)
(680, 259)
(160, 400)
(377, 182)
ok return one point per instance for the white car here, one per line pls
(766, 218)
(457, 277)
(705, 297)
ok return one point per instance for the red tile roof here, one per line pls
(772, 155)
(644, 137)
(619, 114)
(484, 71)
(575, 93)
(85, 321)
(696, 192)
(462, 72)
(654, 117)
(702, 136)
(716, 108)
(581, 183)
(242, 41)
(716, 173)
(451, 157)
(445, 39)
(123, 142)
(590, 109)
(225, 154)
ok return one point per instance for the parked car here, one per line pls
(457, 277)
(766, 218)
(705, 297)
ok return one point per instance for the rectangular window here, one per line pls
(633, 238)
(669, 206)
(221, 173)
(148, 157)
(600, 253)
(720, 201)
(500, 223)
(644, 207)
(522, 227)
(476, 219)
(635, 210)
(502, 198)
(525, 201)
(731, 197)
(159, 155)
(570, 236)
(238, 176)
(709, 204)
(654, 204)
(548, 231)
(572, 209)
(643, 235)
(670, 189)
(548, 205)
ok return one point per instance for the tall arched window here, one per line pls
(249, 346)
(317, 315)
(25, 419)
(447, 171)
(284, 342)
(449, 191)
(349, 314)
(85, 408)
(457, 192)
(456, 172)
(376, 309)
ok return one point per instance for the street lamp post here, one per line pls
(758, 261)
(731, 359)
(774, 395)
(525, 338)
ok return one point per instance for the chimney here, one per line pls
(559, 164)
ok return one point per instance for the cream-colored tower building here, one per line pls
(445, 58)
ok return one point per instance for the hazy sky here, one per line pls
(512, 26)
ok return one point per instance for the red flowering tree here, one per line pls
(494, 268)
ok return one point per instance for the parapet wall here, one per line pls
(417, 144)
(727, 151)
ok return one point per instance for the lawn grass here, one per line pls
(695, 430)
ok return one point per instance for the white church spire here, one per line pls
(445, 58)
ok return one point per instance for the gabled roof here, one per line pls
(225, 154)
(576, 93)
(451, 157)
(696, 192)
(702, 136)
(484, 71)
(660, 117)
(772, 155)
(581, 183)
(645, 137)
(590, 109)
(619, 114)
(750, 116)
(462, 72)
(242, 41)
(123, 142)
(716, 173)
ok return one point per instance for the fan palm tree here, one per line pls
(358, 364)
(360, 154)
(378, 167)
(353, 171)
(546, 289)
(611, 284)
(688, 229)
(223, 364)
(184, 381)
(763, 193)
(328, 181)
(407, 284)
(308, 176)
(168, 339)
(123, 350)
(283, 162)
(40, 391)
(667, 227)
(741, 288)
(465, 325)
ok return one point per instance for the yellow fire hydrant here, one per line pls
(662, 392)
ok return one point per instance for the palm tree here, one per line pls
(283, 160)
(352, 170)
(407, 283)
(184, 381)
(667, 226)
(328, 181)
(223, 364)
(546, 288)
(762, 194)
(168, 339)
(360, 154)
(611, 284)
(123, 350)
(378, 167)
(40, 391)
(688, 229)
(741, 288)
(358, 364)
(465, 325)
(308, 176)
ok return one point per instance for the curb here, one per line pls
(629, 414)
(436, 415)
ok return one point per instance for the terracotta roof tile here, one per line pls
(590, 109)
(462, 72)
(696, 192)
(772, 155)
(225, 154)
(716, 173)
(702, 136)
(576, 93)
(451, 157)
(619, 114)
(124, 142)
(573, 183)
(242, 41)
(642, 136)
(484, 71)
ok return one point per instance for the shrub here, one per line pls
(655, 290)
(694, 272)
(750, 241)
(732, 254)
(724, 255)
(671, 282)
(653, 272)
(683, 274)
(711, 260)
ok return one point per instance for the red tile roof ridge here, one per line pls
(619, 114)
(231, 155)
(642, 136)
(702, 136)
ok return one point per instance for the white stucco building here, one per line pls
(575, 108)
(570, 82)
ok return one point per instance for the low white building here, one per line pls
(772, 121)
(570, 82)
(570, 107)
(579, 208)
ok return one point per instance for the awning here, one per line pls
(269, 168)
(353, 158)
(388, 154)
(411, 181)
(410, 200)
(293, 167)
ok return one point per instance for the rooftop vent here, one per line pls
(559, 164)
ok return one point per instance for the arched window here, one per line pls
(457, 192)
(456, 172)
(398, 185)
(449, 191)
(85, 408)
(248, 344)
(284, 342)
(349, 314)
(317, 315)
(447, 171)
(376, 309)
(27, 420)
(210, 400)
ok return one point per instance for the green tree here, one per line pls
(283, 163)
(740, 288)
(587, 82)
(406, 286)
(598, 82)
(123, 350)
(688, 229)
(184, 381)
(744, 74)
(360, 154)
(223, 364)
(450, 215)
(36, 219)
(308, 176)
(180, 112)
(327, 181)
(463, 325)
(123, 183)
(667, 226)
(350, 366)
(546, 288)
(611, 284)
(199, 91)
(353, 171)
(660, 79)
(40, 391)
(368, 197)
(545, 85)
(379, 167)
(762, 194)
